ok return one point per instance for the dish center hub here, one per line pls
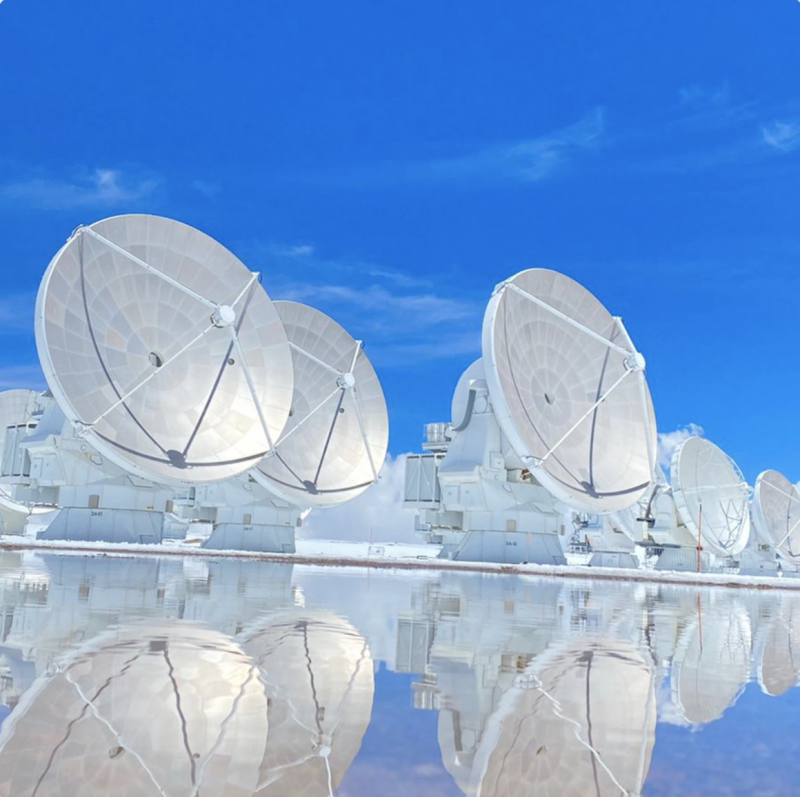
(224, 316)
(346, 381)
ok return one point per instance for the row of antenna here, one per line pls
(180, 393)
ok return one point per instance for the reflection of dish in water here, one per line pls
(318, 674)
(712, 665)
(583, 723)
(779, 667)
(164, 710)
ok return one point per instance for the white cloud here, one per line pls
(378, 512)
(103, 187)
(669, 441)
(782, 136)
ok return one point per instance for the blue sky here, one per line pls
(390, 162)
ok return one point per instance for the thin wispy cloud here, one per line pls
(706, 129)
(305, 256)
(401, 317)
(399, 328)
(712, 107)
(100, 188)
(426, 309)
(294, 250)
(782, 136)
(526, 161)
(520, 161)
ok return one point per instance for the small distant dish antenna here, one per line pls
(711, 496)
(163, 350)
(335, 440)
(569, 391)
(776, 514)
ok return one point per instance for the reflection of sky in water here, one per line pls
(365, 683)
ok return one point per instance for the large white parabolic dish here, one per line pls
(711, 496)
(335, 441)
(776, 514)
(163, 349)
(568, 390)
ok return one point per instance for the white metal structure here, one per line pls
(331, 450)
(18, 409)
(711, 497)
(91, 498)
(173, 377)
(556, 415)
(776, 521)
(569, 391)
(168, 364)
(163, 350)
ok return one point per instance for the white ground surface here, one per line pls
(401, 556)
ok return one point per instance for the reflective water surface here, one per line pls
(128, 676)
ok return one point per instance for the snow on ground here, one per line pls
(401, 556)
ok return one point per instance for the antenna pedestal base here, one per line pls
(684, 560)
(257, 538)
(506, 547)
(621, 559)
(80, 524)
(755, 562)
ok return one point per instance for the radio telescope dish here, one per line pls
(711, 496)
(776, 514)
(16, 409)
(162, 348)
(335, 440)
(569, 391)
